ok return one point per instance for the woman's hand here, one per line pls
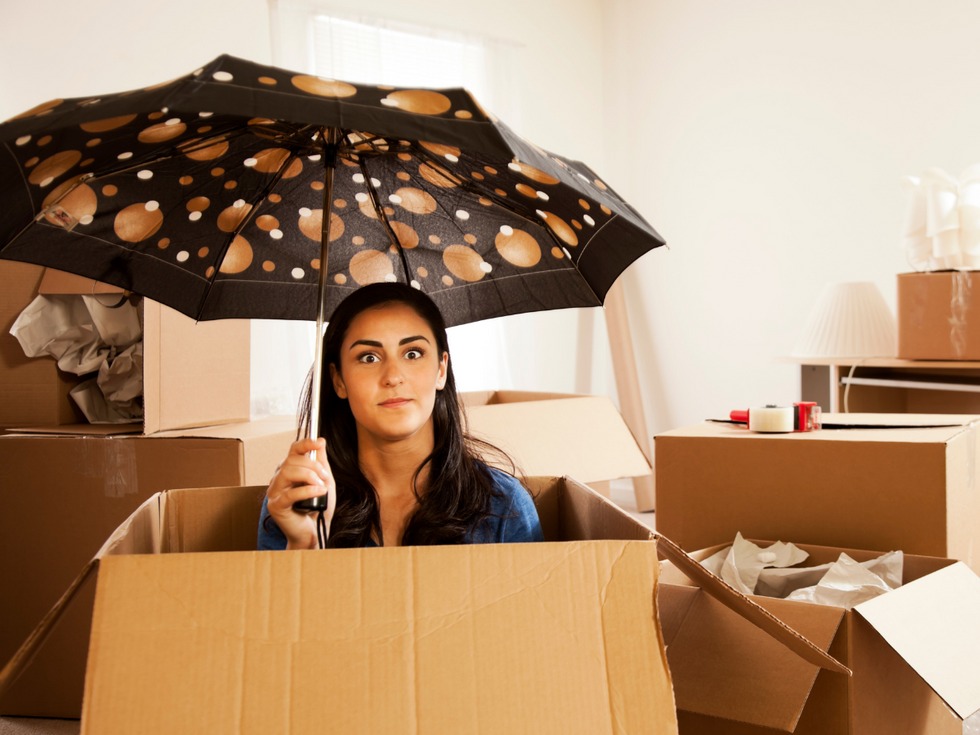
(299, 477)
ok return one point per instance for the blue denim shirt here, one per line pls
(517, 523)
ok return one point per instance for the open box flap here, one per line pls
(724, 666)
(760, 617)
(581, 436)
(139, 534)
(932, 624)
(810, 651)
(896, 420)
(504, 638)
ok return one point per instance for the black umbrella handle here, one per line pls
(311, 505)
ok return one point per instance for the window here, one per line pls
(334, 43)
(311, 38)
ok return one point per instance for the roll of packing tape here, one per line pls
(771, 419)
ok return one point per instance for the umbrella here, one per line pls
(249, 191)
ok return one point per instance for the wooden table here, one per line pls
(889, 385)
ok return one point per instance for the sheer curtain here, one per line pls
(359, 49)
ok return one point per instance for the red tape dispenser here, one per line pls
(804, 416)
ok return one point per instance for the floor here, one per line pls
(621, 492)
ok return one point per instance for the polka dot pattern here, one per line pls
(239, 199)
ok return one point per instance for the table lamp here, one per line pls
(849, 320)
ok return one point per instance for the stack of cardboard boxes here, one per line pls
(176, 624)
(67, 485)
(866, 484)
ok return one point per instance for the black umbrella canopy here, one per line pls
(207, 194)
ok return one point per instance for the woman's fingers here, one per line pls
(284, 501)
(295, 464)
(297, 475)
(305, 446)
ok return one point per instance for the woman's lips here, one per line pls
(394, 402)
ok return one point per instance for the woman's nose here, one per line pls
(392, 375)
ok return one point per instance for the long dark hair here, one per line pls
(460, 488)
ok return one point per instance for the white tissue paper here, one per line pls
(782, 582)
(771, 572)
(85, 336)
(847, 583)
(942, 220)
(741, 564)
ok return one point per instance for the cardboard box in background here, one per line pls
(554, 434)
(32, 391)
(914, 655)
(939, 315)
(912, 489)
(64, 495)
(558, 637)
(194, 374)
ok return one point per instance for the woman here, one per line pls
(394, 452)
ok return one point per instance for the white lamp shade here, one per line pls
(849, 320)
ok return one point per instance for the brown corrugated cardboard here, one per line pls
(552, 637)
(938, 317)
(550, 434)
(932, 624)
(194, 374)
(31, 391)
(929, 623)
(63, 496)
(880, 488)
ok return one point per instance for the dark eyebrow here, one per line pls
(372, 343)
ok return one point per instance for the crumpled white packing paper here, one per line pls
(84, 336)
(772, 572)
(741, 564)
(848, 583)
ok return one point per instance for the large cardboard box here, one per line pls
(64, 495)
(883, 487)
(939, 315)
(194, 631)
(553, 434)
(914, 654)
(194, 373)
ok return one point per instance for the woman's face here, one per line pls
(390, 369)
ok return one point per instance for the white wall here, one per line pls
(765, 139)
(57, 48)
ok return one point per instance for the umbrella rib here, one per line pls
(237, 231)
(596, 233)
(384, 220)
(468, 186)
(123, 248)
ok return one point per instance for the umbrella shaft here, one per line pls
(331, 136)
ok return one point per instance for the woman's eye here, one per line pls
(367, 358)
(414, 354)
